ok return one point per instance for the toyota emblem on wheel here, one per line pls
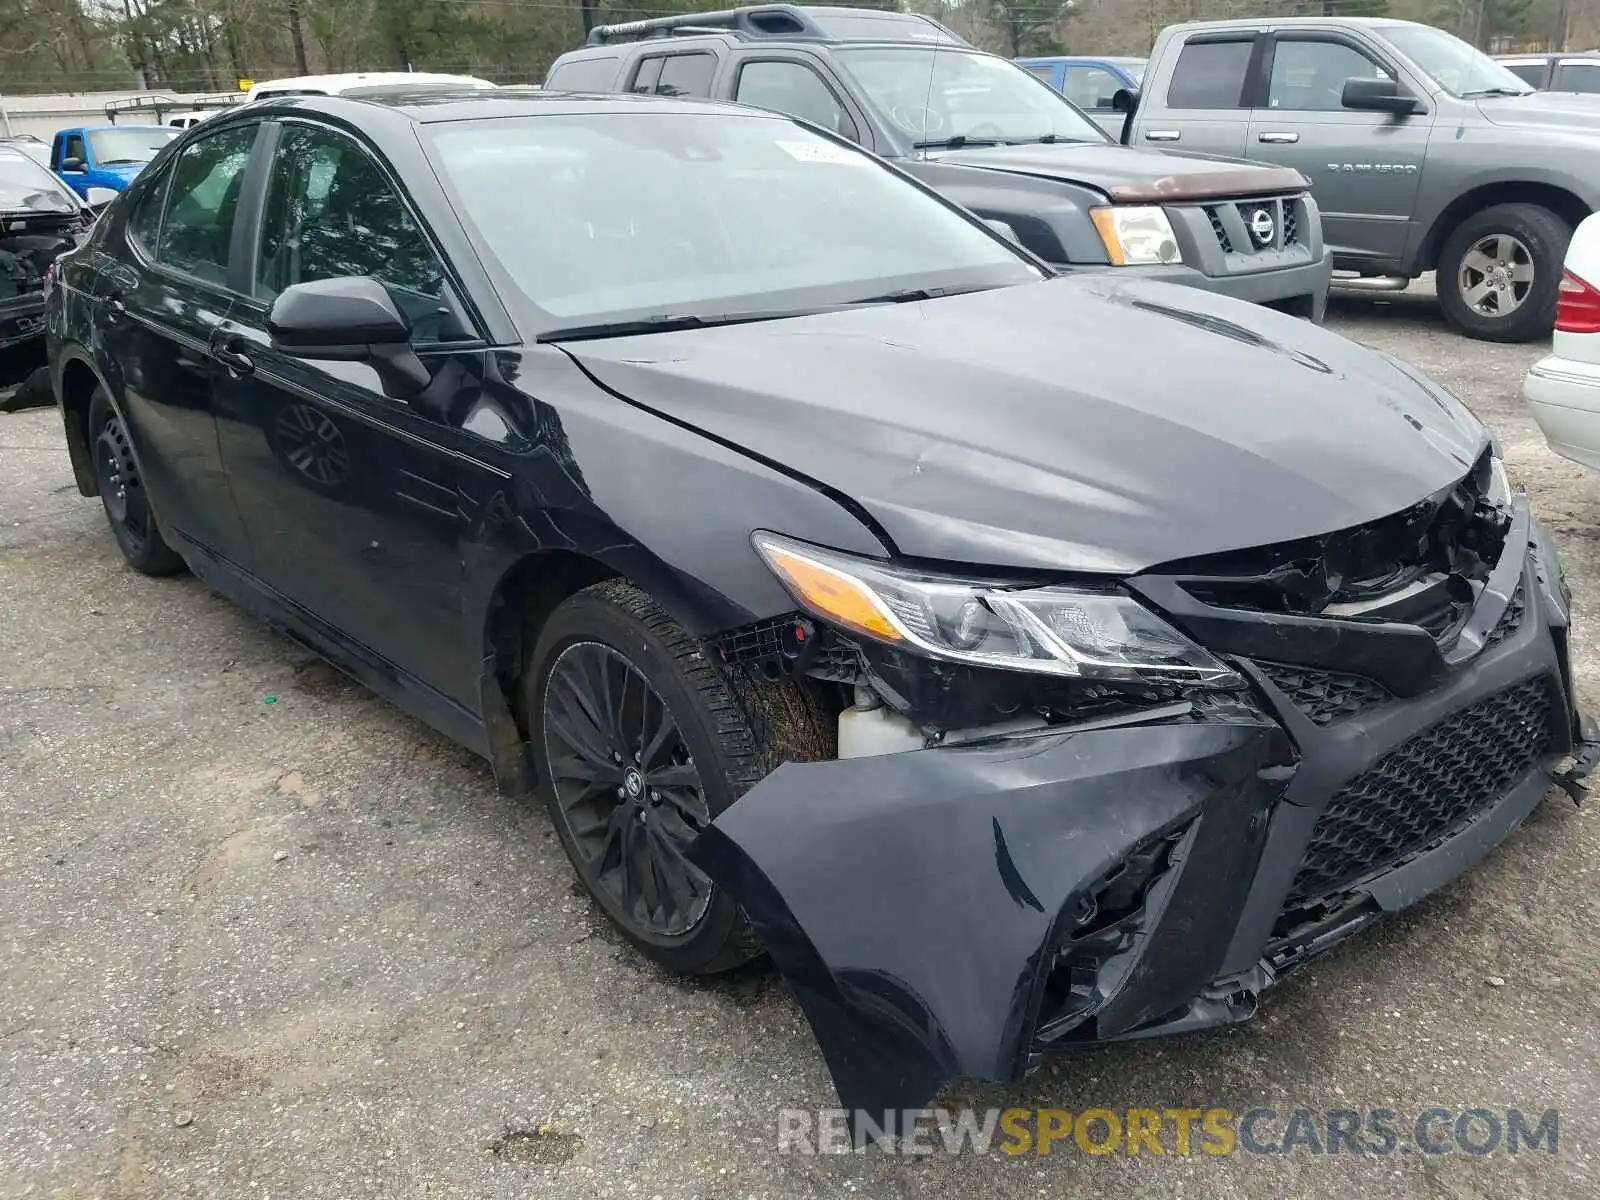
(1262, 227)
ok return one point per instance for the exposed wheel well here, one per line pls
(78, 383)
(1558, 200)
(522, 601)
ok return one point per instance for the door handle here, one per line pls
(227, 348)
(1278, 139)
(1162, 135)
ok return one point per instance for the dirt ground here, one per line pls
(263, 935)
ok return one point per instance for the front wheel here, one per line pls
(1499, 272)
(640, 743)
(122, 492)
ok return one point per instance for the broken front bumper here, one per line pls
(953, 912)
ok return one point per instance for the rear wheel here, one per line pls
(127, 504)
(640, 744)
(1499, 272)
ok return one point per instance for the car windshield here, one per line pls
(1459, 68)
(25, 186)
(937, 96)
(117, 147)
(626, 216)
(1135, 70)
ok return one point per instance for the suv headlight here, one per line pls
(1136, 236)
(1084, 633)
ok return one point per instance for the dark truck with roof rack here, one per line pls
(987, 134)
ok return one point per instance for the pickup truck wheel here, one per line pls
(1500, 271)
(640, 743)
(122, 493)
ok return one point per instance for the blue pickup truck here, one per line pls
(1090, 83)
(105, 158)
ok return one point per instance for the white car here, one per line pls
(343, 85)
(1564, 389)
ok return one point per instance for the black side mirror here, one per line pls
(353, 319)
(72, 164)
(1378, 95)
(1126, 102)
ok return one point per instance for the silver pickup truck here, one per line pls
(1424, 153)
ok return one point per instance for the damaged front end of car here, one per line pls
(1143, 833)
(30, 243)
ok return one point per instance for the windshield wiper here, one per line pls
(1493, 91)
(121, 162)
(665, 323)
(1052, 139)
(956, 142)
(905, 295)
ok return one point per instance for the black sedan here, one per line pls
(1018, 659)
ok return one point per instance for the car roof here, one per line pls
(1302, 22)
(438, 105)
(332, 84)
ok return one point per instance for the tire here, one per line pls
(1536, 239)
(613, 639)
(122, 492)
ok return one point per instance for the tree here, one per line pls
(1030, 26)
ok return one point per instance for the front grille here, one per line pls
(1291, 224)
(1325, 696)
(1219, 229)
(1426, 788)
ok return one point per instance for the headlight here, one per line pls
(1136, 236)
(1077, 632)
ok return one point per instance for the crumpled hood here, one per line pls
(1133, 174)
(1084, 423)
(1566, 111)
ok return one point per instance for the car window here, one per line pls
(130, 146)
(1210, 75)
(330, 212)
(686, 75)
(1309, 76)
(583, 75)
(1578, 77)
(646, 74)
(1091, 88)
(1046, 73)
(795, 89)
(202, 196)
(144, 223)
(1530, 73)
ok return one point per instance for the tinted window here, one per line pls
(686, 75)
(793, 88)
(646, 74)
(1310, 76)
(144, 223)
(1091, 88)
(1209, 75)
(1529, 73)
(1578, 77)
(583, 75)
(203, 194)
(75, 148)
(330, 212)
(614, 216)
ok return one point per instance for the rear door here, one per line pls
(160, 301)
(1205, 109)
(684, 73)
(1365, 167)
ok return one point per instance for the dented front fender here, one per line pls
(915, 901)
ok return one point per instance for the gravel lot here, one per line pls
(263, 935)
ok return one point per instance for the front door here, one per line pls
(349, 497)
(158, 307)
(1364, 167)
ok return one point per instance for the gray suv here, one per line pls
(989, 136)
(1423, 152)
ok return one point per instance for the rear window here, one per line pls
(1210, 75)
(583, 74)
(1531, 74)
(1578, 77)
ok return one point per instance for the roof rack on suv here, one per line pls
(789, 21)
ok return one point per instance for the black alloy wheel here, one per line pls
(123, 494)
(627, 790)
